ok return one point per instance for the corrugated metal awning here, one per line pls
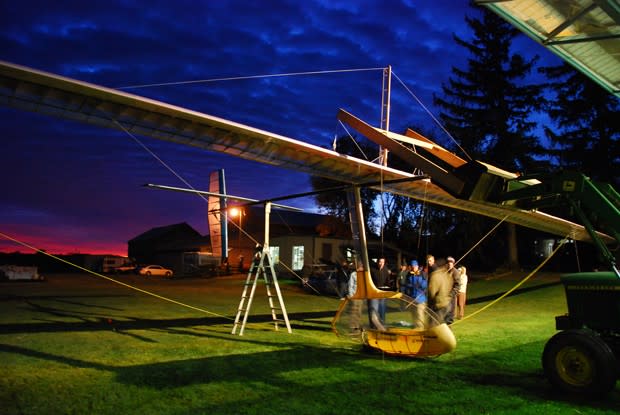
(585, 33)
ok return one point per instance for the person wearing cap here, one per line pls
(417, 286)
(455, 278)
(462, 294)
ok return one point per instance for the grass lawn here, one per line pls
(76, 344)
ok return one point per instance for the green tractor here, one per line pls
(584, 357)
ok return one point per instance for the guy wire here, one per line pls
(40, 251)
(482, 239)
(520, 283)
(236, 78)
(432, 116)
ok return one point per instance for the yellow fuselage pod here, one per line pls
(429, 342)
(412, 342)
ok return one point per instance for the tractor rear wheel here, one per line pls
(580, 362)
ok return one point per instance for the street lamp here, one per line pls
(238, 212)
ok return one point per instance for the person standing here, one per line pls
(439, 287)
(430, 265)
(382, 275)
(352, 283)
(455, 279)
(401, 281)
(342, 278)
(461, 297)
(381, 279)
(417, 287)
(402, 284)
(355, 308)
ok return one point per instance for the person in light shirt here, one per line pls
(461, 297)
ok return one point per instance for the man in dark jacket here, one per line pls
(455, 278)
(381, 276)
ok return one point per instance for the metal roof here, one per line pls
(585, 33)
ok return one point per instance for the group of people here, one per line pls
(440, 285)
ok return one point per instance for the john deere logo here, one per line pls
(568, 186)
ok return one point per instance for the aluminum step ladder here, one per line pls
(262, 266)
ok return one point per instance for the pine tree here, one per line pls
(488, 106)
(587, 138)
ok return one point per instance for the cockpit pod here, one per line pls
(393, 323)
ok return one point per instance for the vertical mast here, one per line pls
(385, 110)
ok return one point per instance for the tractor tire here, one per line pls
(580, 362)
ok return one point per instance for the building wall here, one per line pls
(314, 249)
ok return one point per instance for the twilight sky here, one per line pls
(71, 187)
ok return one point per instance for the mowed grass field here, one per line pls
(78, 344)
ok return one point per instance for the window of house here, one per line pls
(274, 254)
(298, 258)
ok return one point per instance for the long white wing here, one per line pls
(32, 90)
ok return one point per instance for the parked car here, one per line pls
(156, 270)
(321, 284)
(322, 280)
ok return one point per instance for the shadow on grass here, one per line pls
(97, 321)
(491, 382)
(59, 298)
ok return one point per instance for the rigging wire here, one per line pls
(422, 216)
(507, 293)
(237, 78)
(482, 239)
(577, 256)
(382, 224)
(161, 297)
(353, 139)
(432, 116)
(163, 163)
